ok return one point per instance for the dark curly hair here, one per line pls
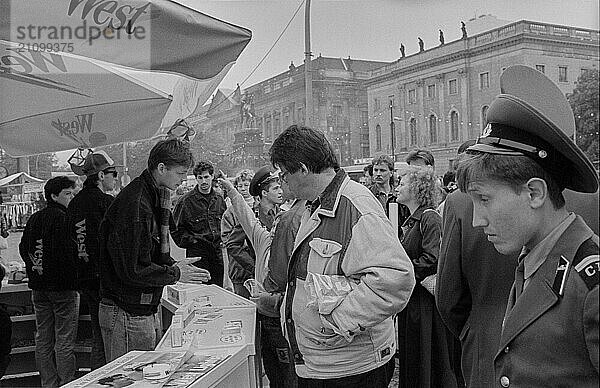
(204, 166)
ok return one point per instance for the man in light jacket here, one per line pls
(343, 231)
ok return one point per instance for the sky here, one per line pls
(368, 29)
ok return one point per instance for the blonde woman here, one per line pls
(422, 336)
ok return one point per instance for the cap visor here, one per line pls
(490, 149)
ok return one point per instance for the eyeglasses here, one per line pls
(113, 172)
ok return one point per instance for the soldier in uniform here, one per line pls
(515, 175)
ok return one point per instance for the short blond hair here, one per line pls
(423, 185)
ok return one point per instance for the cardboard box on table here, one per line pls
(217, 326)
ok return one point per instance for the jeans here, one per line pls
(376, 378)
(123, 332)
(92, 298)
(56, 316)
(275, 352)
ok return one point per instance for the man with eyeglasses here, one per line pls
(343, 231)
(84, 215)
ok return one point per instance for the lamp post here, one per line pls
(307, 66)
(393, 135)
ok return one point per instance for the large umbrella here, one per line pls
(56, 96)
(159, 35)
(52, 102)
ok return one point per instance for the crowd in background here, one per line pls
(412, 296)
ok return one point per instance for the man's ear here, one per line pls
(537, 192)
(161, 168)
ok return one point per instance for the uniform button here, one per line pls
(297, 356)
(506, 349)
(289, 320)
(504, 381)
(291, 284)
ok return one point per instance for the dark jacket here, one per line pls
(385, 200)
(5, 340)
(550, 337)
(42, 248)
(198, 224)
(473, 283)
(133, 271)
(422, 337)
(84, 214)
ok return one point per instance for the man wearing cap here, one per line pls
(264, 185)
(515, 175)
(197, 218)
(84, 214)
(472, 287)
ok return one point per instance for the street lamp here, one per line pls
(393, 135)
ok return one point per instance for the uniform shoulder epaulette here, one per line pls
(586, 263)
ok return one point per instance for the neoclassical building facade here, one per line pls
(438, 98)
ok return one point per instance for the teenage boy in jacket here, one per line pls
(50, 272)
(135, 263)
(84, 214)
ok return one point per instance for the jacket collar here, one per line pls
(196, 193)
(330, 196)
(150, 183)
(56, 205)
(539, 296)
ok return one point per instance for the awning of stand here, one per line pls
(28, 179)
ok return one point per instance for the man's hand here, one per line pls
(264, 301)
(190, 273)
(226, 184)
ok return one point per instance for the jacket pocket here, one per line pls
(324, 256)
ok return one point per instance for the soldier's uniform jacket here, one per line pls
(550, 337)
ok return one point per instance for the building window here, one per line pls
(484, 110)
(454, 125)
(300, 116)
(412, 96)
(562, 74)
(583, 71)
(452, 86)
(432, 129)
(413, 131)
(336, 110)
(364, 118)
(378, 137)
(431, 91)
(276, 124)
(541, 68)
(376, 104)
(484, 80)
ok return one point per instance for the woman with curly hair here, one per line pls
(422, 337)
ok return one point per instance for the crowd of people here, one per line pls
(492, 285)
